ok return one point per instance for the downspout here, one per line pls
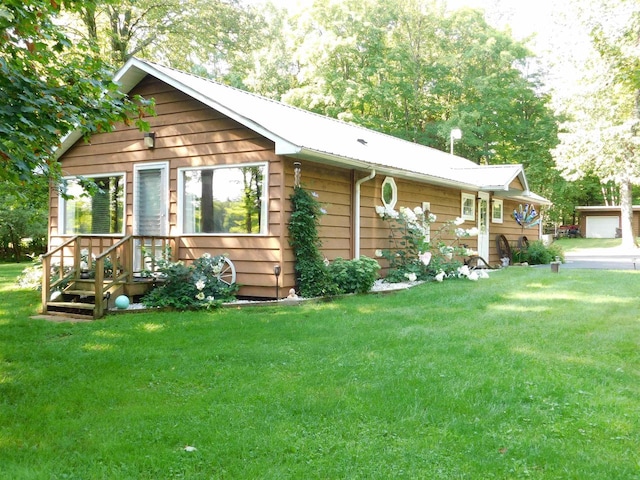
(357, 211)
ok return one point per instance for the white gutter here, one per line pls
(356, 212)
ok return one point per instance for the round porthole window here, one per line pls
(389, 192)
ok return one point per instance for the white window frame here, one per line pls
(497, 218)
(264, 201)
(468, 198)
(426, 209)
(164, 166)
(394, 192)
(62, 222)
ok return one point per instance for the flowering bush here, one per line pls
(195, 286)
(316, 276)
(412, 256)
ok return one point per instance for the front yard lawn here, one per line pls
(577, 244)
(528, 374)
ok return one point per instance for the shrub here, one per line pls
(31, 276)
(354, 276)
(539, 254)
(190, 287)
(316, 277)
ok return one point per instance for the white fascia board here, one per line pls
(603, 208)
(284, 147)
(327, 158)
(525, 196)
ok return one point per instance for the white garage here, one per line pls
(601, 226)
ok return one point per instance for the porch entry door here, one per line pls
(483, 225)
(150, 210)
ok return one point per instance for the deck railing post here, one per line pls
(46, 281)
(99, 288)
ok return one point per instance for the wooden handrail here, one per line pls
(60, 247)
(99, 287)
(46, 271)
(113, 247)
(121, 254)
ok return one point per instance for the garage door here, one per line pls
(602, 227)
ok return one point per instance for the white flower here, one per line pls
(460, 232)
(408, 214)
(210, 298)
(482, 273)
(206, 255)
(391, 213)
(189, 448)
(323, 211)
(380, 210)
(464, 271)
(473, 276)
(378, 253)
(432, 218)
(216, 269)
(326, 262)
(472, 232)
(440, 276)
(458, 221)
(418, 211)
(425, 258)
(200, 296)
(314, 195)
(200, 284)
(410, 276)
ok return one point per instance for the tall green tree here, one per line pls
(23, 218)
(50, 85)
(602, 135)
(413, 69)
(208, 37)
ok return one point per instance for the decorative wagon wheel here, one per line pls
(523, 243)
(502, 245)
(228, 273)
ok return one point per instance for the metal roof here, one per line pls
(306, 135)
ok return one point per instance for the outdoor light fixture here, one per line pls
(456, 134)
(149, 139)
(276, 271)
(296, 173)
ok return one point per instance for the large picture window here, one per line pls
(93, 205)
(224, 199)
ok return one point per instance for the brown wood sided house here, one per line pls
(181, 188)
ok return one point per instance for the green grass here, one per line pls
(528, 374)
(575, 244)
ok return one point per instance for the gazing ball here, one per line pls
(122, 302)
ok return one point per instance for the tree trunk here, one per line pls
(626, 215)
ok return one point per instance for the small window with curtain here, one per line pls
(468, 206)
(93, 205)
(496, 210)
(223, 200)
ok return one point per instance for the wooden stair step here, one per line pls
(75, 305)
(82, 293)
